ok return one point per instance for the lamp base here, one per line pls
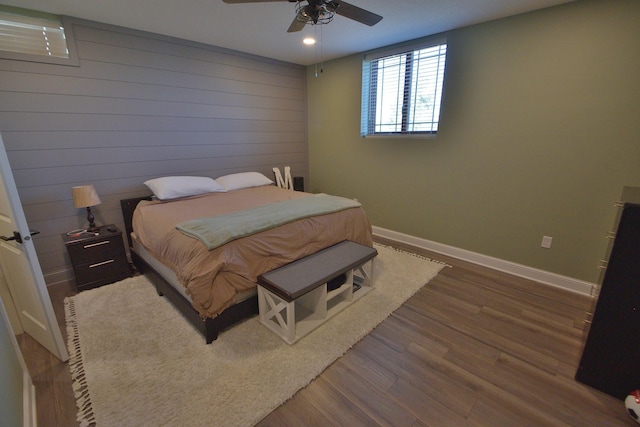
(92, 225)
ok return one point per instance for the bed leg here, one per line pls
(158, 291)
(211, 336)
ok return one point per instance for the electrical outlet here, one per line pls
(546, 242)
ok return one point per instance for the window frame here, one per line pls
(67, 25)
(369, 94)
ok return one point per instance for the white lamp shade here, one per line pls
(84, 196)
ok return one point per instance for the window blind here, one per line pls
(32, 35)
(402, 90)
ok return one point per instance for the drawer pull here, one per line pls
(104, 242)
(101, 263)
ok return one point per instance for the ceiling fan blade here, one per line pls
(297, 24)
(256, 1)
(354, 12)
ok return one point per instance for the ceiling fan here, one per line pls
(321, 12)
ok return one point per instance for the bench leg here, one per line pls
(290, 330)
(271, 307)
(366, 272)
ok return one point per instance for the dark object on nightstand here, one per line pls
(97, 258)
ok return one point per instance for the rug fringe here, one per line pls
(86, 416)
(414, 255)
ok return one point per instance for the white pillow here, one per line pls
(236, 181)
(173, 187)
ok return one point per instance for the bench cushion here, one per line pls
(299, 277)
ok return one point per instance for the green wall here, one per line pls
(539, 132)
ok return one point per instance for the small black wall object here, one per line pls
(298, 183)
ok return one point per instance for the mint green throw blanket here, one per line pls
(218, 230)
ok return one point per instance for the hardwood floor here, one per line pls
(56, 404)
(475, 347)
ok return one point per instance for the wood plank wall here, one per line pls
(140, 106)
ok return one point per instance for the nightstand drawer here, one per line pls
(96, 250)
(107, 270)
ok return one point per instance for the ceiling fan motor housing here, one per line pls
(322, 12)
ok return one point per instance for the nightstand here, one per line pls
(97, 259)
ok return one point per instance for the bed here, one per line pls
(211, 279)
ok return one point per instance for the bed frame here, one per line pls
(208, 327)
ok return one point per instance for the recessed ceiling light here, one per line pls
(309, 41)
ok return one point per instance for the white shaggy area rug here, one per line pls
(136, 361)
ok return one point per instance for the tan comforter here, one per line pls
(213, 278)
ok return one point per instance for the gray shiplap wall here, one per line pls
(140, 106)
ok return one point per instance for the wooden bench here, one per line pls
(296, 298)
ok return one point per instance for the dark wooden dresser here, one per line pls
(97, 259)
(611, 356)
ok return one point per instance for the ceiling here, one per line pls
(261, 28)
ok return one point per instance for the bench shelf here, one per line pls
(296, 299)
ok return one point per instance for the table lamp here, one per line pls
(85, 196)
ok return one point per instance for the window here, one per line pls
(33, 36)
(402, 90)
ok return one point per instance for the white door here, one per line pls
(18, 405)
(21, 267)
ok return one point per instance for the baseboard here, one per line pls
(545, 277)
(59, 276)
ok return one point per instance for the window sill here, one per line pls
(401, 136)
